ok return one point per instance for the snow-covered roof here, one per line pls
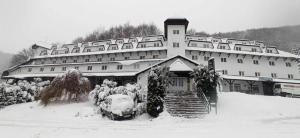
(103, 52)
(178, 65)
(232, 51)
(166, 60)
(123, 62)
(22, 76)
(259, 79)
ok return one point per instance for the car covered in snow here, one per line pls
(118, 107)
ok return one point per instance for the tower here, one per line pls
(175, 31)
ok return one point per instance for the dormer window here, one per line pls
(88, 50)
(269, 51)
(222, 47)
(194, 44)
(253, 50)
(101, 49)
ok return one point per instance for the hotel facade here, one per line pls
(244, 65)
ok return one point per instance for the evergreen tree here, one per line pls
(205, 81)
(157, 85)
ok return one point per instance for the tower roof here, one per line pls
(175, 21)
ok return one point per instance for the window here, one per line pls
(87, 60)
(126, 58)
(238, 48)
(240, 60)
(206, 45)
(76, 67)
(66, 52)
(288, 64)
(114, 48)
(255, 62)
(271, 63)
(175, 31)
(156, 44)
(223, 60)
(43, 62)
(112, 59)
(237, 87)
(64, 68)
(194, 44)
(99, 59)
(54, 62)
(41, 69)
(241, 73)
(222, 47)
(206, 58)
(224, 72)
(104, 67)
(52, 69)
(257, 74)
(155, 56)
(290, 76)
(77, 51)
(175, 44)
(119, 67)
(75, 61)
(143, 45)
(101, 49)
(273, 75)
(142, 57)
(136, 66)
(177, 82)
(269, 51)
(88, 50)
(194, 57)
(90, 68)
(29, 69)
(64, 61)
(253, 49)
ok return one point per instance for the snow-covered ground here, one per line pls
(239, 115)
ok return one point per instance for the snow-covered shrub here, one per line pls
(19, 92)
(70, 85)
(108, 88)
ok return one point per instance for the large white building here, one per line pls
(246, 65)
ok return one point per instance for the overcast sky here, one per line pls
(25, 22)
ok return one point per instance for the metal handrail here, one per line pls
(207, 103)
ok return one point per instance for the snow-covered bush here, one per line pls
(71, 85)
(107, 88)
(20, 92)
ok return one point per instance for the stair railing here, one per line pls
(206, 102)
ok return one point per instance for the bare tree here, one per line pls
(22, 56)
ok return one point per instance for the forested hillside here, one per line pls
(285, 38)
(5, 59)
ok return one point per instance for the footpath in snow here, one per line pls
(239, 115)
